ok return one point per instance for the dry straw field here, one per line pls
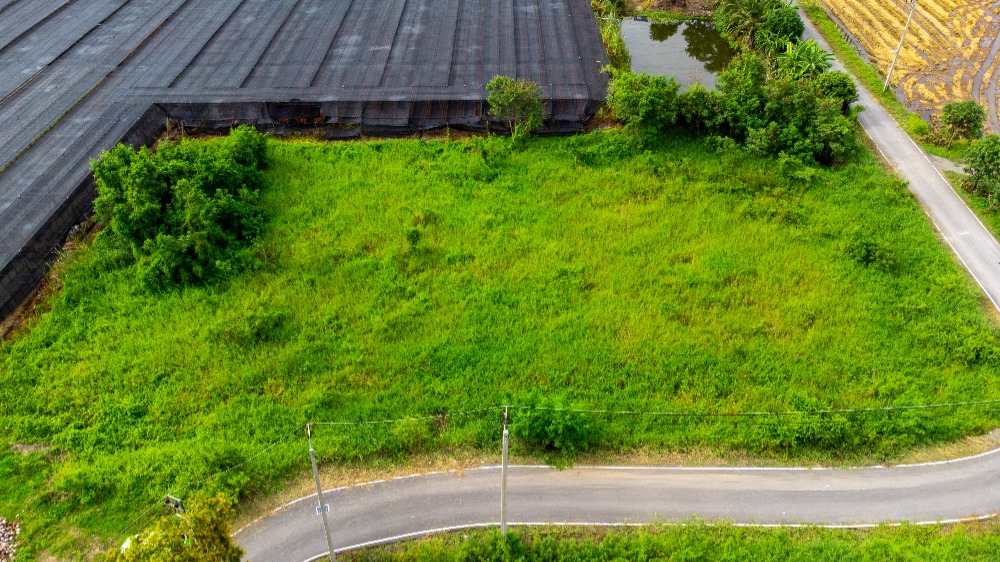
(950, 52)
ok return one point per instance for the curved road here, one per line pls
(390, 510)
(966, 488)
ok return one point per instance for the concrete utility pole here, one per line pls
(503, 477)
(913, 7)
(321, 509)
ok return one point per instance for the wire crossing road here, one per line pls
(958, 225)
(401, 508)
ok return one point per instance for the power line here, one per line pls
(772, 413)
(417, 418)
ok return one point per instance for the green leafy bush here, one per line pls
(982, 164)
(517, 103)
(839, 86)
(203, 534)
(551, 425)
(700, 109)
(189, 212)
(644, 103)
(778, 27)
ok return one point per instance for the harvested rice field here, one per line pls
(950, 52)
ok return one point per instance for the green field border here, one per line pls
(869, 77)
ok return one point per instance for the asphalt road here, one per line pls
(401, 508)
(975, 247)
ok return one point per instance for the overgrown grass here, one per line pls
(408, 278)
(701, 542)
(869, 76)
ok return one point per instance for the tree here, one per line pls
(839, 86)
(200, 534)
(778, 28)
(804, 60)
(644, 103)
(965, 118)
(983, 168)
(518, 103)
(738, 19)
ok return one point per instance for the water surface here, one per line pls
(691, 50)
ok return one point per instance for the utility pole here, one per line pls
(322, 508)
(913, 7)
(503, 477)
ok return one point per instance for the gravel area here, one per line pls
(8, 539)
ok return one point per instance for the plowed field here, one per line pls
(950, 52)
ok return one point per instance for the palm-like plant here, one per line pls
(738, 19)
(804, 60)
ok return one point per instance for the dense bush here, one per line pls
(189, 212)
(550, 424)
(778, 27)
(777, 104)
(644, 103)
(839, 86)
(202, 534)
(982, 164)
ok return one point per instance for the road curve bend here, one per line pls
(396, 509)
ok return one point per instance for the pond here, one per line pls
(690, 50)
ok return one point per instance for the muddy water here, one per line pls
(691, 51)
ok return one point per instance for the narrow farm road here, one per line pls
(958, 225)
(406, 507)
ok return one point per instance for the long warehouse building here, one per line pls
(79, 76)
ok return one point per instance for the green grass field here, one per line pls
(404, 278)
(698, 541)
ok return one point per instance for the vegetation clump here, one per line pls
(516, 102)
(983, 169)
(777, 101)
(200, 533)
(187, 213)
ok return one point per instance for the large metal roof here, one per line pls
(78, 76)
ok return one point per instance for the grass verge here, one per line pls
(699, 541)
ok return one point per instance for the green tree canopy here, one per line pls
(965, 118)
(200, 534)
(517, 103)
(779, 27)
(644, 103)
(739, 19)
(983, 167)
(838, 86)
(804, 60)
